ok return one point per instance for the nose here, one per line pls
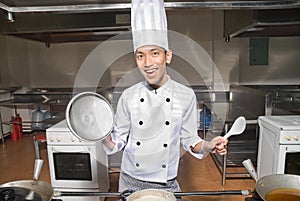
(148, 61)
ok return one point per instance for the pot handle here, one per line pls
(250, 168)
(37, 168)
(125, 194)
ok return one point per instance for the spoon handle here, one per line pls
(227, 135)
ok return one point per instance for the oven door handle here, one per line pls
(56, 150)
(290, 150)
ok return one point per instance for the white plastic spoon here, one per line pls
(237, 127)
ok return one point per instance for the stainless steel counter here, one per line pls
(247, 102)
(55, 101)
(227, 112)
(240, 148)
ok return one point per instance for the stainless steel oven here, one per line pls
(279, 145)
(75, 165)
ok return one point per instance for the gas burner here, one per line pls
(254, 197)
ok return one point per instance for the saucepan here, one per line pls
(276, 187)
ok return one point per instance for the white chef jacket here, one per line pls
(149, 126)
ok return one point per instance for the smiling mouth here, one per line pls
(152, 70)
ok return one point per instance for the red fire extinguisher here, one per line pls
(14, 129)
(19, 125)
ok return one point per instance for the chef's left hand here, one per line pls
(216, 145)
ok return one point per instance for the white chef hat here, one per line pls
(149, 23)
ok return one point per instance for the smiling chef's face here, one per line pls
(152, 61)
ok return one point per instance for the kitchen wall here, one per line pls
(31, 64)
(283, 65)
(15, 62)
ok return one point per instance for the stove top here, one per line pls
(60, 134)
(284, 122)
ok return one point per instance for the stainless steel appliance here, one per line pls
(76, 165)
(279, 145)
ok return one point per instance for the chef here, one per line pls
(155, 116)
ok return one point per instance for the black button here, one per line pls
(165, 145)
(137, 165)
(142, 100)
(141, 122)
(167, 123)
(168, 100)
(163, 166)
(138, 143)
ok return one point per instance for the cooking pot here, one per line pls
(151, 195)
(27, 189)
(266, 184)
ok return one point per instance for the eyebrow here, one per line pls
(151, 50)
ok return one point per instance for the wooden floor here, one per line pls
(17, 162)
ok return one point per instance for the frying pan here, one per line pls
(276, 181)
(270, 182)
(35, 189)
(20, 189)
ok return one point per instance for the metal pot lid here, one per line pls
(89, 116)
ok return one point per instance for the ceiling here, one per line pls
(56, 21)
(22, 6)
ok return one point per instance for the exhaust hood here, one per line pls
(57, 28)
(58, 21)
(261, 23)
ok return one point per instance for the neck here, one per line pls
(154, 86)
(162, 82)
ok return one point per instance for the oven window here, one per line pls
(292, 165)
(72, 166)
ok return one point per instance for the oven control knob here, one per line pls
(51, 139)
(73, 139)
(58, 139)
(296, 137)
(288, 138)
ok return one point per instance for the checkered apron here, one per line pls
(127, 182)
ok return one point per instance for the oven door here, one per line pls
(289, 159)
(73, 166)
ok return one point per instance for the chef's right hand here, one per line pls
(108, 142)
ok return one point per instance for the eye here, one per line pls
(139, 56)
(155, 53)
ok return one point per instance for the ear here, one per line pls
(169, 56)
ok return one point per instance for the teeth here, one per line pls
(150, 70)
